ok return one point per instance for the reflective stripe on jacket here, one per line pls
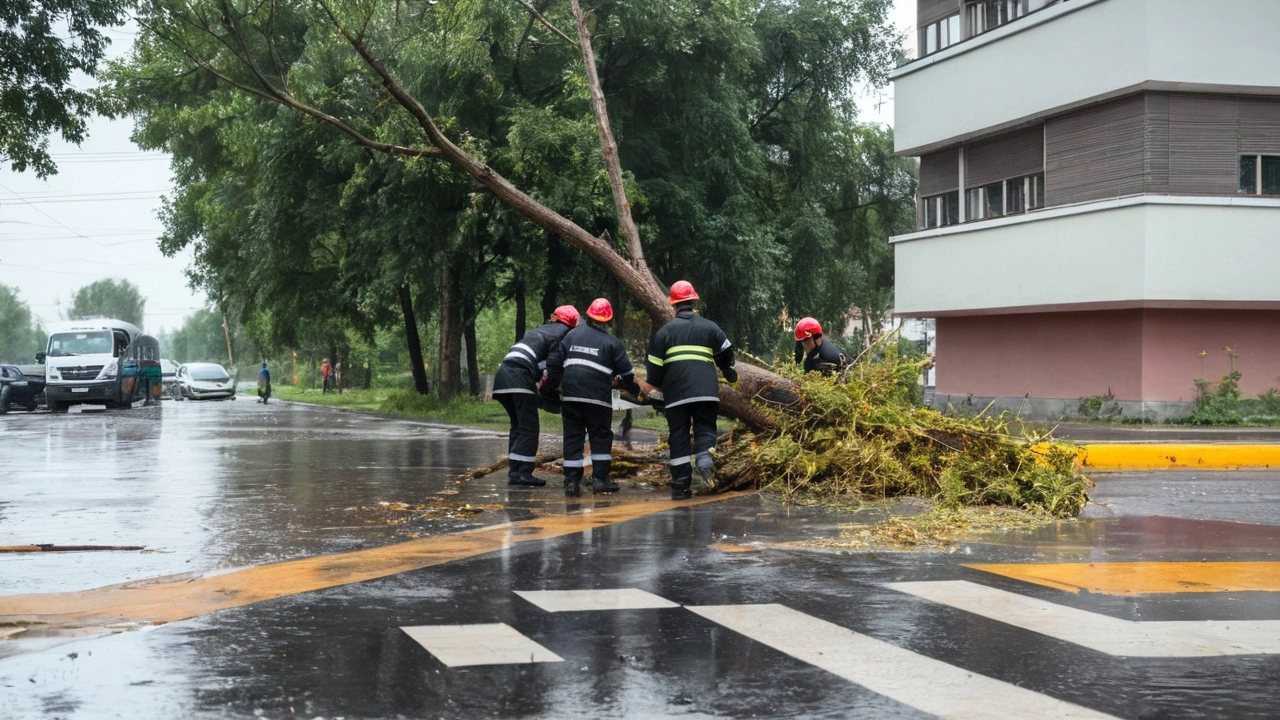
(592, 358)
(522, 367)
(682, 359)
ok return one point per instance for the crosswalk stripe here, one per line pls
(483, 644)
(1113, 636)
(922, 682)
(587, 600)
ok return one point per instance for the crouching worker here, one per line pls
(682, 360)
(594, 363)
(517, 385)
(817, 354)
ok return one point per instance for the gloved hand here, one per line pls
(731, 376)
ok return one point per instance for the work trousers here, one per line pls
(583, 420)
(700, 417)
(522, 440)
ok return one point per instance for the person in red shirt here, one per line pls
(325, 372)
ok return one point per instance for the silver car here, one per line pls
(203, 381)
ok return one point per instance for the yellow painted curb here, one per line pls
(1145, 578)
(1116, 457)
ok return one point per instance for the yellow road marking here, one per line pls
(1143, 578)
(1139, 456)
(180, 597)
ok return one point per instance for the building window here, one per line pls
(940, 35)
(984, 15)
(941, 210)
(1007, 197)
(1260, 174)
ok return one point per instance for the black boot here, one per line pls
(573, 482)
(600, 482)
(513, 472)
(681, 482)
(527, 478)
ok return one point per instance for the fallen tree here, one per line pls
(862, 434)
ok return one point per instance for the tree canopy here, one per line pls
(308, 139)
(119, 299)
(20, 337)
(43, 43)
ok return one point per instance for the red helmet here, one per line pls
(566, 314)
(807, 328)
(600, 310)
(682, 291)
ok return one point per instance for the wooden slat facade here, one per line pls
(1204, 143)
(1155, 143)
(931, 11)
(939, 172)
(1013, 155)
(1096, 153)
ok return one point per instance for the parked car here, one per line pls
(203, 381)
(18, 389)
(168, 377)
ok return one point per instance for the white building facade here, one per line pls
(1099, 201)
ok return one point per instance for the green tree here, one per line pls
(109, 298)
(20, 338)
(713, 122)
(42, 44)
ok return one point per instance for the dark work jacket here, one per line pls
(522, 368)
(592, 359)
(826, 358)
(683, 356)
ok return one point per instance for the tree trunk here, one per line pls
(521, 311)
(418, 368)
(608, 146)
(450, 385)
(473, 365)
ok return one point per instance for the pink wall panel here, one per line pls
(1173, 340)
(1147, 354)
(1050, 355)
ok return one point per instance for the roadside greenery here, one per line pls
(464, 410)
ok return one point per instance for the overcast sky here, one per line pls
(97, 219)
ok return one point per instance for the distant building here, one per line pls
(1099, 198)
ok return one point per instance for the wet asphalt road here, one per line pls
(216, 486)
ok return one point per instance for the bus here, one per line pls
(100, 362)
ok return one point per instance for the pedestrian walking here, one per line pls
(325, 372)
(531, 368)
(264, 384)
(681, 362)
(815, 351)
(595, 362)
(337, 376)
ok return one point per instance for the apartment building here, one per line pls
(1099, 199)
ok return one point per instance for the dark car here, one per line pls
(19, 390)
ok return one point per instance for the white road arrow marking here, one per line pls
(910, 678)
(1113, 636)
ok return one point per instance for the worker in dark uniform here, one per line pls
(531, 367)
(595, 362)
(682, 360)
(815, 352)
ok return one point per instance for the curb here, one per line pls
(1119, 457)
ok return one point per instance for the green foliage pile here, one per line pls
(861, 435)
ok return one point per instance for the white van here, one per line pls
(100, 362)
